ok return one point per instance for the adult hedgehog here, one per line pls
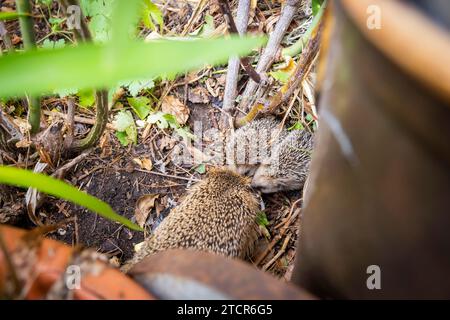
(217, 215)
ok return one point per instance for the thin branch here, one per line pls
(5, 37)
(230, 92)
(270, 52)
(300, 72)
(245, 61)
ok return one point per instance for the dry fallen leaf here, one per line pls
(144, 205)
(198, 95)
(105, 145)
(175, 107)
(144, 163)
(166, 143)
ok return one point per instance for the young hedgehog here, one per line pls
(288, 165)
(251, 145)
(217, 215)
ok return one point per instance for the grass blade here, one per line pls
(60, 189)
(99, 66)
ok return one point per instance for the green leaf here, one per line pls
(122, 137)
(60, 189)
(136, 86)
(201, 168)
(124, 124)
(151, 14)
(74, 67)
(87, 97)
(50, 44)
(281, 76)
(261, 219)
(140, 105)
(123, 120)
(297, 126)
(11, 15)
(316, 6)
(206, 30)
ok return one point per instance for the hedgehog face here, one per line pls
(270, 181)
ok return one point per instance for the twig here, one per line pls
(285, 225)
(300, 72)
(198, 9)
(245, 61)
(76, 118)
(269, 54)
(230, 91)
(5, 37)
(168, 175)
(70, 123)
(61, 171)
(278, 255)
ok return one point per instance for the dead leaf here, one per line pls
(105, 145)
(198, 156)
(144, 206)
(166, 143)
(144, 163)
(175, 107)
(198, 95)
(24, 143)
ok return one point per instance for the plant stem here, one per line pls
(99, 126)
(83, 35)
(29, 43)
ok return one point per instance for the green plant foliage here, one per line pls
(87, 97)
(60, 189)
(151, 15)
(50, 44)
(139, 60)
(125, 127)
(10, 15)
(141, 106)
(99, 13)
(166, 121)
(261, 219)
(297, 126)
(201, 168)
(316, 6)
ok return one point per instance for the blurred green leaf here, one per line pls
(11, 15)
(71, 67)
(60, 189)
